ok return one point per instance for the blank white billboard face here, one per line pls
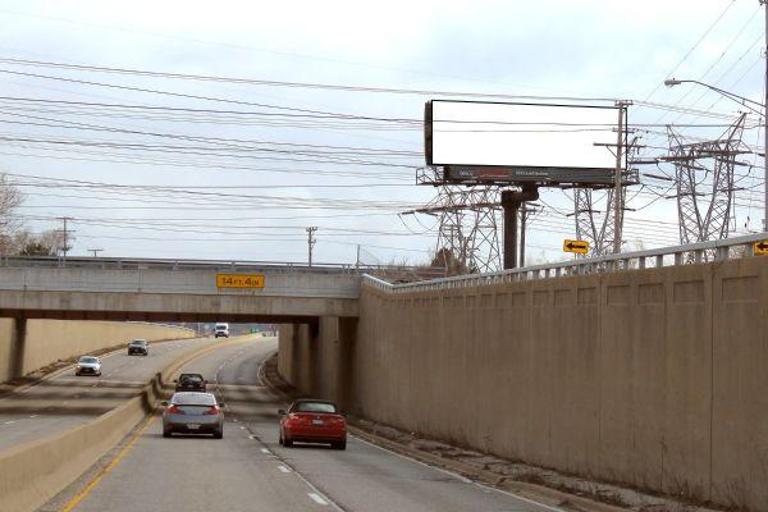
(517, 135)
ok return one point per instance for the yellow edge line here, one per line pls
(85, 491)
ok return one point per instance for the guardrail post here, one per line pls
(678, 258)
(749, 250)
(698, 253)
(641, 262)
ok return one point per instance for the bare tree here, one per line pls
(47, 243)
(10, 199)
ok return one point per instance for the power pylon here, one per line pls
(594, 213)
(595, 210)
(467, 225)
(704, 175)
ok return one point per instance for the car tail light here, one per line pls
(212, 411)
(295, 418)
(174, 410)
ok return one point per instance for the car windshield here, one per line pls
(191, 379)
(193, 399)
(323, 407)
(89, 360)
(139, 342)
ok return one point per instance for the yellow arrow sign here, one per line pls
(577, 246)
(240, 280)
(760, 248)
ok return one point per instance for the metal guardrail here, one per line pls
(717, 250)
(191, 264)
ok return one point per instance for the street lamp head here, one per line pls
(671, 82)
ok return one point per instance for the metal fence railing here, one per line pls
(717, 250)
(191, 264)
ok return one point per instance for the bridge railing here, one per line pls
(191, 264)
(716, 250)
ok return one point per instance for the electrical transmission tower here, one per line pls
(599, 213)
(704, 175)
(594, 212)
(467, 226)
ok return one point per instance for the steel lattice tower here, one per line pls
(594, 212)
(468, 225)
(704, 175)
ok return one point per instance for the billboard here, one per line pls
(521, 142)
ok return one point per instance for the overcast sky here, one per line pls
(342, 160)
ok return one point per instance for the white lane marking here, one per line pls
(317, 498)
(264, 450)
(283, 469)
(462, 478)
(34, 416)
(242, 427)
(9, 422)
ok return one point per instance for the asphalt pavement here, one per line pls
(248, 471)
(65, 400)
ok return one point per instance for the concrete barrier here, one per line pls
(653, 379)
(48, 341)
(33, 473)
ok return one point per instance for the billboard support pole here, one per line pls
(511, 201)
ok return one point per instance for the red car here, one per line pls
(313, 421)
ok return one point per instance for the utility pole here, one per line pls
(618, 203)
(311, 241)
(95, 252)
(525, 212)
(65, 233)
(764, 3)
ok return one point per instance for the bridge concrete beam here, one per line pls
(157, 306)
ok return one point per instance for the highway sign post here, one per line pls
(760, 248)
(240, 281)
(576, 246)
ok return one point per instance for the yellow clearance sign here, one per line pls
(760, 248)
(240, 280)
(577, 246)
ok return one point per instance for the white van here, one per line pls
(221, 330)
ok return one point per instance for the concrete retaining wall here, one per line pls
(48, 341)
(656, 379)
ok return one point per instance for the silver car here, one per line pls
(88, 365)
(193, 413)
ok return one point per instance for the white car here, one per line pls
(88, 365)
(221, 330)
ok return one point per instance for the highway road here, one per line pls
(249, 471)
(65, 400)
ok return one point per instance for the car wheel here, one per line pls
(166, 433)
(218, 434)
(339, 445)
(288, 443)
